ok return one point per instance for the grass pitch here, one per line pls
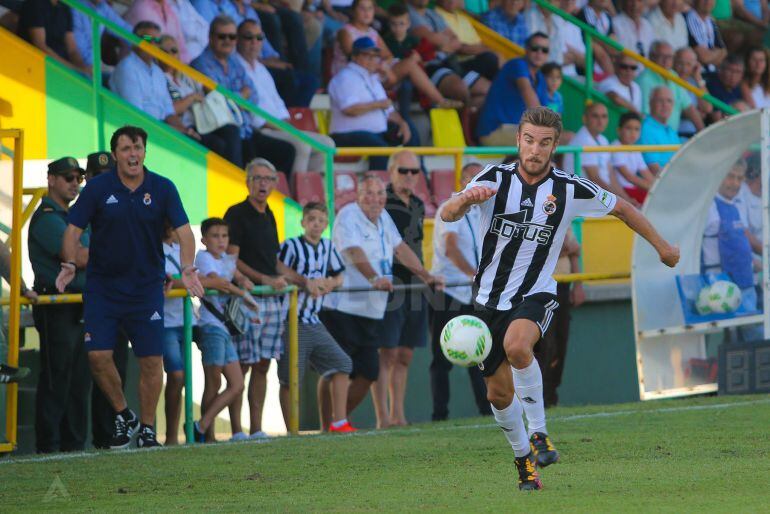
(695, 455)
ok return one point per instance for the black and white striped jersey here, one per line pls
(522, 229)
(311, 261)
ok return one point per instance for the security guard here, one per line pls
(98, 162)
(61, 421)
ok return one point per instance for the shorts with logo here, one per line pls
(141, 319)
(538, 308)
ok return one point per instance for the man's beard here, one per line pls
(538, 171)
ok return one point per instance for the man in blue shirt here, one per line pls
(725, 84)
(656, 131)
(81, 26)
(508, 20)
(218, 62)
(127, 209)
(520, 85)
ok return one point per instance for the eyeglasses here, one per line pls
(71, 178)
(261, 178)
(151, 39)
(628, 67)
(405, 171)
(251, 37)
(538, 48)
(223, 37)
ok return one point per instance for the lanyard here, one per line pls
(473, 238)
(382, 239)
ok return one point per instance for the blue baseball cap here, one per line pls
(365, 44)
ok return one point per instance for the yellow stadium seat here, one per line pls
(447, 129)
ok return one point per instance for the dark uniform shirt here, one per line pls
(46, 231)
(409, 222)
(256, 234)
(127, 228)
(55, 19)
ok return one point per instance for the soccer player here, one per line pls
(127, 208)
(526, 209)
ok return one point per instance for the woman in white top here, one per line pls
(756, 80)
(225, 141)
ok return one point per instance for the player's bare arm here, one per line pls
(630, 215)
(69, 249)
(457, 206)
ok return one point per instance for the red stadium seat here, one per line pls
(442, 184)
(469, 119)
(421, 192)
(283, 184)
(308, 187)
(302, 118)
(345, 189)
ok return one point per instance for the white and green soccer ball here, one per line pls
(466, 341)
(721, 297)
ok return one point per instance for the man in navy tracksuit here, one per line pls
(127, 208)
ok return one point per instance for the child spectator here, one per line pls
(173, 340)
(318, 269)
(216, 344)
(633, 175)
(400, 42)
(553, 79)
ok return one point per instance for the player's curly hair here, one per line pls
(542, 117)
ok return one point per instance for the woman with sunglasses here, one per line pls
(225, 141)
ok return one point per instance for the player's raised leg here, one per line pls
(520, 339)
(508, 415)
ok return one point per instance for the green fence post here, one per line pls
(329, 179)
(188, 392)
(96, 82)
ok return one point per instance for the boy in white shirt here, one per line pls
(216, 343)
(632, 172)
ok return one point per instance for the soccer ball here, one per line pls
(466, 341)
(721, 297)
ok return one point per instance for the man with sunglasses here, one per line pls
(61, 419)
(621, 88)
(139, 80)
(499, 117)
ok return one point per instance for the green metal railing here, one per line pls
(590, 34)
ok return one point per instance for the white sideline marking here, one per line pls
(552, 419)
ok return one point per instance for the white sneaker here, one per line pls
(239, 436)
(259, 435)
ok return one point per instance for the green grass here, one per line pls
(695, 455)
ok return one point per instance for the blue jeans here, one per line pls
(173, 345)
(216, 345)
(363, 138)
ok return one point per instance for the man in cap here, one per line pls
(98, 162)
(64, 383)
(362, 113)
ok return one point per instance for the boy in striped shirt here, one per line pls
(317, 268)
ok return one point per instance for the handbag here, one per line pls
(215, 112)
(233, 316)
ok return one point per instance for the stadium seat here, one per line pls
(345, 189)
(442, 184)
(384, 175)
(308, 187)
(283, 185)
(422, 192)
(446, 127)
(302, 118)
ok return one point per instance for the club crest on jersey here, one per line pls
(516, 226)
(549, 206)
(147, 199)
